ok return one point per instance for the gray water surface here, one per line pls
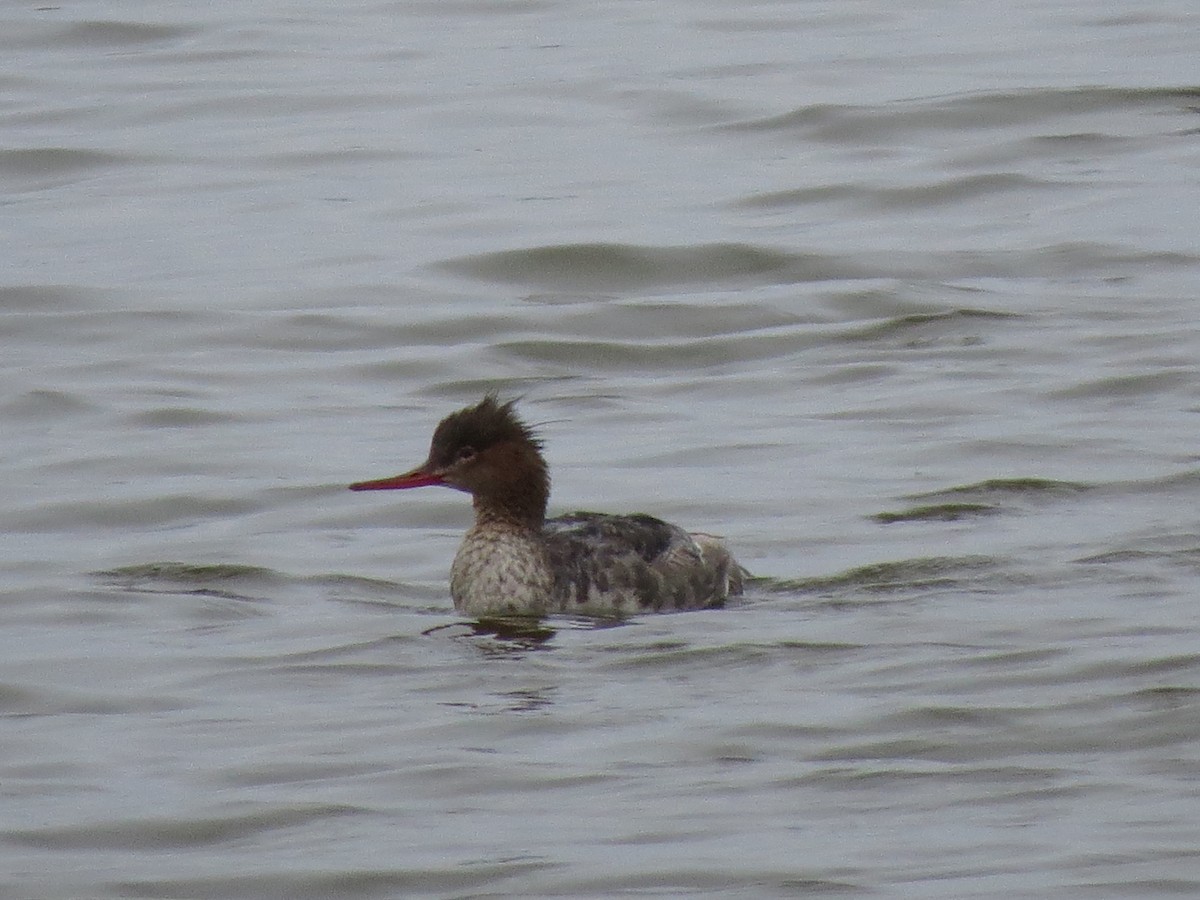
(902, 302)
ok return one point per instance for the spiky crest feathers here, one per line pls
(479, 428)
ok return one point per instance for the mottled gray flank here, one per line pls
(616, 565)
(591, 564)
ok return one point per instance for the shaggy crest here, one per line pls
(479, 427)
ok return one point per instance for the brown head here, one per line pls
(488, 452)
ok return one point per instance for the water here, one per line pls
(901, 301)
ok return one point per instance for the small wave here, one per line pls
(43, 298)
(946, 191)
(1188, 557)
(891, 577)
(887, 122)
(1008, 487)
(44, 404)
(1128, 387)
(54, 162)
(138, 834)
(594, 265)
(984, 498)
(939, 512)
(905, 324)
(117, 34)
(225, 580)
(181, 417)
(163, 511)
(187, 573)
(235, 581)
(607, 268)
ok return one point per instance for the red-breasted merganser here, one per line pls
(515, 561)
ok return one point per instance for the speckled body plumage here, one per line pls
(501, 570)
(621, 565)
(513, 561)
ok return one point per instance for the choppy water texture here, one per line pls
(902, 301)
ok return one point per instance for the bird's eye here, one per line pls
(464, 454)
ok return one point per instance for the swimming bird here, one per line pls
(513, 561)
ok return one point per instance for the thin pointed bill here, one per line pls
(416, 478)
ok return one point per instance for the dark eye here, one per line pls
(464, 454)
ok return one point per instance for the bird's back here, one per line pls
(613, 565)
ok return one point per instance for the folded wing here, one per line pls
(636, 563)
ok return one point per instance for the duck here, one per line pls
(514, 561)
